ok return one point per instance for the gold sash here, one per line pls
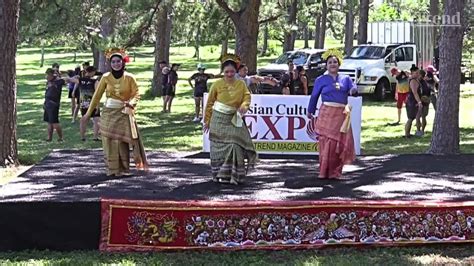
(226, 109)
(117, 104)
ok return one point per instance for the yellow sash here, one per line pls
(117, 104)
(226, 109)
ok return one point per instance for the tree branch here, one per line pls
(137, 37)
(269, 19)
(232, 14)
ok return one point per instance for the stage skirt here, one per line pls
(117, 137)
(232, 150)
(336, 148)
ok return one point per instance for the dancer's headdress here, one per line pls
(117, 51)
(333, 52)
(231, 57)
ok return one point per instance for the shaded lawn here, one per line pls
(440, 254)
(176, 131)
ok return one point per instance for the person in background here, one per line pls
(291, 77)
(171, 86)
(72, 74)
(433, 83)
(118, 126)
(55, 67)
(52, 102)
(425, 102)
(301, 81)
(242, 74)
(413, 104)
(401, 91)
(86, 86)
(199, 88)
(336, 143)
(231, 144)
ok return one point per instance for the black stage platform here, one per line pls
(56, 204)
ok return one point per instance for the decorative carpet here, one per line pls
(129, 225)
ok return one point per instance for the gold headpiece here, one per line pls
(232, 57)
(333, 52)
(118, 51)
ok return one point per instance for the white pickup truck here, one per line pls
(391, 44)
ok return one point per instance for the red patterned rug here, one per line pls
(159, 225)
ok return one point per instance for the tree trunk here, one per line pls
(225, 42)
(445, 138)
(363, 20)
(349, 27)
(306, 36)
(434, 11)
(322, 32)
(42, 56)
(197, 43)
(9, 11)
(290, 34)
(95, 55)
(246, 30)
(317, 30)
(107, 24)
(161, 47)
(265, 41)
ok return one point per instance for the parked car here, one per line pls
(310, 59)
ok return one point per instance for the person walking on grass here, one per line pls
(413, 104)
(433, 83)
(169, 81)
(52, 101)
(199, 88)
(402, 90)
(86, 86)
(425, 102)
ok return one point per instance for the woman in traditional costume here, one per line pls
(118, 127)
(232, 150)
(336, 143)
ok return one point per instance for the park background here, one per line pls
(71, 32)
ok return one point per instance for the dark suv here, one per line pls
(310, 59)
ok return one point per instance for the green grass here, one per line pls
(451, 255)
(175, 131)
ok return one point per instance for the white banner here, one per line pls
(278, 124)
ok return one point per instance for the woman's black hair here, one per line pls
(422, 73)
(229, 63)
(299, 68)
(71, 73)
(338, 60)
(90, 69)
(414, 68)
(241, 66)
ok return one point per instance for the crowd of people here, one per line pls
(232, 153)
(416, 90)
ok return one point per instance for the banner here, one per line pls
(278, 124)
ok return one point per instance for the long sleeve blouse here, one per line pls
(331, 90)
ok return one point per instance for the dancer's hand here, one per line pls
(242, 110)
(205, 128)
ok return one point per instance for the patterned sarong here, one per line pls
(117, 137)
(335, 147)
(232, 150)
